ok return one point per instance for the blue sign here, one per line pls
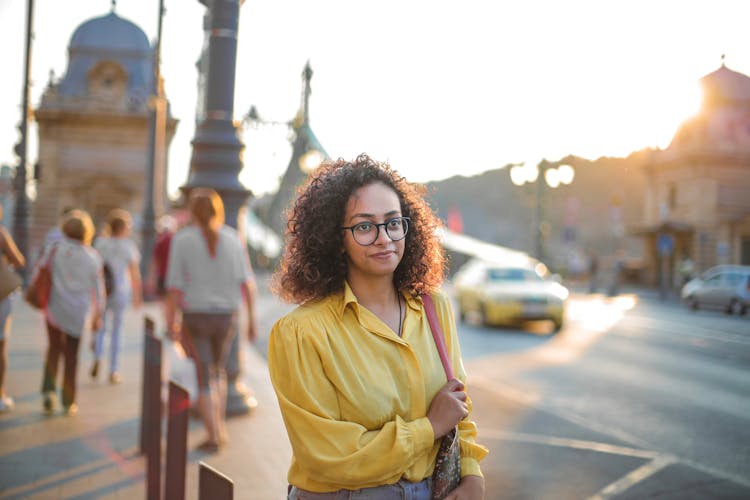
(665, 245)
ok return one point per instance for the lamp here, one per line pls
(553, 175)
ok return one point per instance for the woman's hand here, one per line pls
(470, 488)
(96, 325)
(447, 408)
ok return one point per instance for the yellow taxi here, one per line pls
(509, 295)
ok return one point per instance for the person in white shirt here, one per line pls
(10, 255)
(122, 257)
(207, 277)
(76, 301)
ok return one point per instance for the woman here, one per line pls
(9, 255)
(207, 276)
(121, 254)
(76, 300)
(355, 368)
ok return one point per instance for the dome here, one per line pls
(726, 86)
(109, 32)
(110, 42)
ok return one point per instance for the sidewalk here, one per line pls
(94, 454)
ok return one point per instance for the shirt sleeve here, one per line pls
(471, 452)
(326, 447)
(243, 261)
(135, 254)
(99, 290)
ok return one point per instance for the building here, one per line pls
(697, 202)
(94, 128)
(307, 155)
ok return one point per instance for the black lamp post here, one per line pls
(217, 151)
(156, 147)
(21, 213)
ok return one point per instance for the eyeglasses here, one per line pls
(366, 233)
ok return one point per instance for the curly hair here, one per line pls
(313, 265)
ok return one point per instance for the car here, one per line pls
(501, 294)
(724, 287)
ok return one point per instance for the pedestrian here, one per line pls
(593, 272)
(207, 278)
(686, 270)
(119, 254)
(10, 256)
(355, 368)
(617, 270)
(55, 233)
(165, 227)
(76, 303)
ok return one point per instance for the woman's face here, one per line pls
(376, 204)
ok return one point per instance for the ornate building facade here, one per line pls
(698, 199)
(94, 128)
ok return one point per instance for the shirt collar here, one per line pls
(348, 297)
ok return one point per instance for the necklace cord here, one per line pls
(400, 321)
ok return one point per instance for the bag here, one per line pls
(9, 280)
(109, 280)
(179, 368)
(37, 294)
(447, 473)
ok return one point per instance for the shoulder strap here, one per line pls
(437, 334)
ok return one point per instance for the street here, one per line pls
(633, 398)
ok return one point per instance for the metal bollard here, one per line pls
(150, 428)
(177, 427)
(213, 485)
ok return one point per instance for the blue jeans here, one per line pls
(113, 317)
(402, 490)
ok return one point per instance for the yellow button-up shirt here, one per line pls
(354, 395)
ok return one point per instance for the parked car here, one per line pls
(509, 295)
(724, 287)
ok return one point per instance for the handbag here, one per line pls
(37, 293)
(179, 367)
(9, 280)
(447, 473)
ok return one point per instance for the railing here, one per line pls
(212, 484)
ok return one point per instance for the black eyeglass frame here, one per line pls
(384, 225)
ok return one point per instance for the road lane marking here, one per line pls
(532, 401)
(578, 444)
(634, 477)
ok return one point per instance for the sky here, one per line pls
(436, 88)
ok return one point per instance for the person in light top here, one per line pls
(356, 372)
(10, 255)
(208, 278)
(76, 304)
(120, 253)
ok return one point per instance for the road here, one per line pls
(634, 398)
(626, 380)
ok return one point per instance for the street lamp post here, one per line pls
(156, 147)
(546, 175)
(21, 212)
(217, 152)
